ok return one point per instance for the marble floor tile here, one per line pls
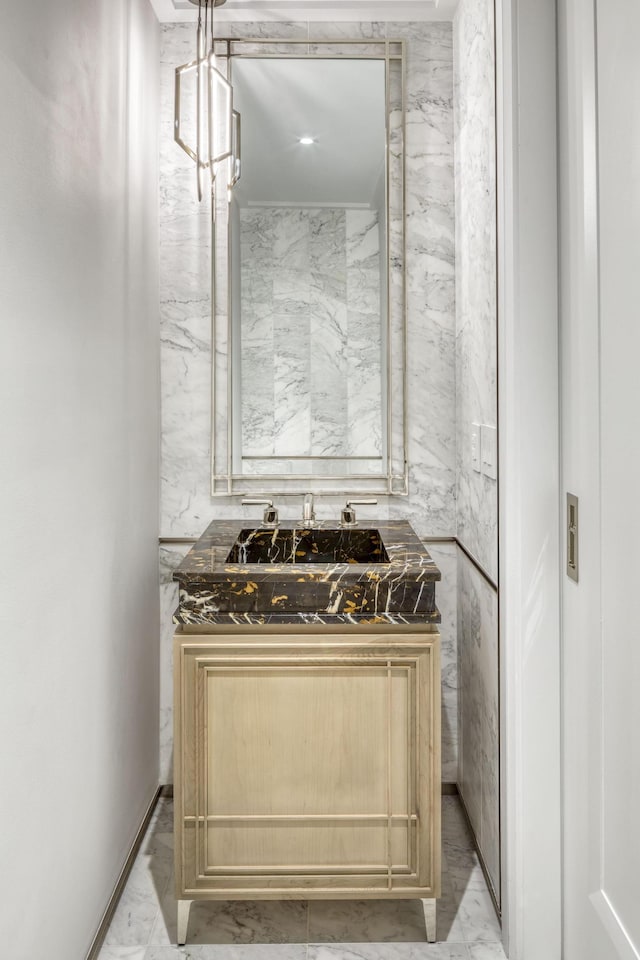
(122, 953)
(458, 851)
(388, 951)
(486, 951)
(477, 916)
(253, 951)
(158, 848)
(366, 921)
(449, 927)
(466, 877)
(462, 863)
(139, 905)
(144, 925)
(454, 821)
(234, 921)
(162, 819)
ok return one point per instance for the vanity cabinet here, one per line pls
(307, 763)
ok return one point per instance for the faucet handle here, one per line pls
(270, 515)
(348, 515)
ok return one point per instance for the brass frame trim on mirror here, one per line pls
(394, 479)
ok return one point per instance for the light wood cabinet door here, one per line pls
(308, 767)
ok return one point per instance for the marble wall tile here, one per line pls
(185, 321)
(347, 30)
(476, 402)
(478, 728)
(187, 506)
(170, 557)
(476, 303)
(267, 29)
(445, 555)
(430, 233)
(430, 237)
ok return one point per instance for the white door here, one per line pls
(600, 376)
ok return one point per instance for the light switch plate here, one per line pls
(489, 449)
(475, 447)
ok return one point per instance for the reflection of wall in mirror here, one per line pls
(311, 331)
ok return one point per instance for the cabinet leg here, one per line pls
(429, 907)
(184, 906)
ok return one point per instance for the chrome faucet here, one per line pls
(308, 513)
(270, 516)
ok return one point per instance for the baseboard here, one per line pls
(107, 916)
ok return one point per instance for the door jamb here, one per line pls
(529, 470)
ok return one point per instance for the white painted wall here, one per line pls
(529, 543)
(79, 440)
(600, 230)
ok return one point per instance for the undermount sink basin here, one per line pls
(302, 545)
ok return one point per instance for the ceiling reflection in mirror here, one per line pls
(314, 348)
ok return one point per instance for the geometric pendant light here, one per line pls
(217, 124)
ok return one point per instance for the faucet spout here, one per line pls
(308, 513)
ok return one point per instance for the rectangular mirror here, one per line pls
(309, 322)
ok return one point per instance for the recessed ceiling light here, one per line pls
(306, 140)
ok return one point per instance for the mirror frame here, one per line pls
(393, 476)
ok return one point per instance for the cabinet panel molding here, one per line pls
(307, 765)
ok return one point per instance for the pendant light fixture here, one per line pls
(217, 124)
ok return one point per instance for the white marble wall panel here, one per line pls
(445, 555)
(478, 728)
(476, 304)
(430, 234)
(187, 506)
(430, 505)
(170, 557)
(476, 402)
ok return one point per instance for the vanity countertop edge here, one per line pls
(214, 590)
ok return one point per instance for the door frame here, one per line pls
(529, 471)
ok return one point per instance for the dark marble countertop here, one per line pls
(215, 589)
